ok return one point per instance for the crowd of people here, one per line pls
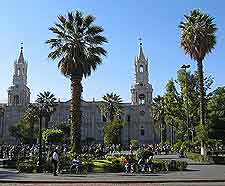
(98, 151)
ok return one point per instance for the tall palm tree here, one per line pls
(31, 116)
(78, 46)
(48, 103)
(198, 39)
(111, 106)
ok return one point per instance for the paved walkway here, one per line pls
(116, 184)
(193, 172)
(193, 176)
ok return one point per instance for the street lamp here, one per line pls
(185, 67)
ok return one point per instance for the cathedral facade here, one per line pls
(137, 114)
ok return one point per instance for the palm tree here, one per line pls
(48, 102)
(111, 106)
(30, 117)
(198, 39)
(78, 46)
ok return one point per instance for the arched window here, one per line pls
(128, 118)
(142, 131)
(141, 69)
(141, 99)
(16, 99)
(103, 118)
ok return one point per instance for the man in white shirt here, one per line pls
(55, 160)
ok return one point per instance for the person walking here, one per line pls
(55, 161)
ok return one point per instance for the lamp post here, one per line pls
(185, 67)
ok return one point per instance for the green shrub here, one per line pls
(117, 165)
(197, 157)
(53, 136)
(181, 165)
(134, 143)
(109, 158)
(177, 146)
(166, 165)
(26, 167)
(87, 166)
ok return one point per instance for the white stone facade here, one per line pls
(137, 115)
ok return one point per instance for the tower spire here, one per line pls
(141, 53)
(21, 58)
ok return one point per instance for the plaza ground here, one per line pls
(198, 174)
(193, 173)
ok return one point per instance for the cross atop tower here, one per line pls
(140, 39)
(21, 45)
(141, 53)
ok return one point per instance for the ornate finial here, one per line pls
(141, 53)
(140, 41)
(21, 58)
(21, 46)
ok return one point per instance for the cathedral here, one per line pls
(137, 114)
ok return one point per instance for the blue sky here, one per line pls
(124, 22)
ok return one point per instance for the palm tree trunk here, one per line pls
(47, 119)
(76, 89)
(201, 91)
(202, 102)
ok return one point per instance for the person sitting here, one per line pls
(142, 164)
(127, 165)
(76, 165)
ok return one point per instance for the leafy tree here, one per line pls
(170, 110)
(20, 132)
(53, 136)
(216, 113)
(189, 103)
(65, 127)
(198, 39)
(111, 106)
(78, 46)
(47, 105)
(172, 107)
(31, 116)
(112, 131)
(158, 110)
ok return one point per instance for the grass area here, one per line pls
(101, 163)
(197, 157)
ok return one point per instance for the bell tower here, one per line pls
(19, 93)
(141, 91)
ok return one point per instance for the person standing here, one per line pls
(55, 161)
